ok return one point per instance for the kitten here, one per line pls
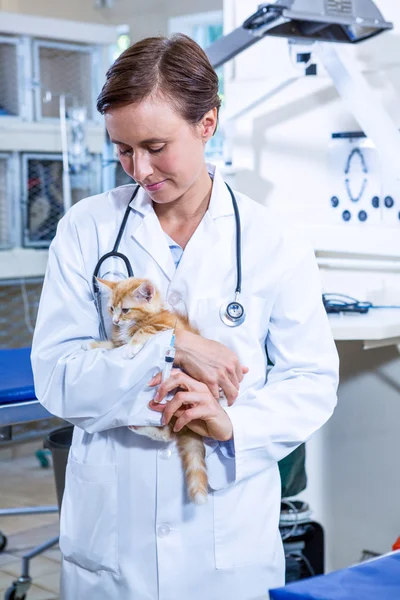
(138, 312)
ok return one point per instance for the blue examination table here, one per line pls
(378, 579)
(18, 404)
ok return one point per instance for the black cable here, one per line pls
(124, 220)
(341, 303)
(238, 243)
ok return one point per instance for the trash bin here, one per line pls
(59, 442)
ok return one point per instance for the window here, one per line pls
(123, 41)
(205, 28)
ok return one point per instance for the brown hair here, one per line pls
(176, 67)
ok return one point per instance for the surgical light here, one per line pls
(348, 21)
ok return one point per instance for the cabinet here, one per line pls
(45, 64)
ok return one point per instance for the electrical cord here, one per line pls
(293, 530)
(296, 555)
(341, 303)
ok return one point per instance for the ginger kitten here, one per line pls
(138, 312)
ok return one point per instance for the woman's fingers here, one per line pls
(231, 392)
(241, 371)
(181, 380)
(180, 399)
(191, 414)
(156, 406)
(157, 378)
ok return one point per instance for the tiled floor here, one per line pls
(23, 482)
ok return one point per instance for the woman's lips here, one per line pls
(154, 187)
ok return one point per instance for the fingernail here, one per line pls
(156, 397)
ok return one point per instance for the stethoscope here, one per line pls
(233, 314)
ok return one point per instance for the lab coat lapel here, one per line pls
(201, 244)
(203, 251)
(149, 234)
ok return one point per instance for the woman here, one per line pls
(127, 529)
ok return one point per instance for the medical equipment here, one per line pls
(303, 541)
(169, 358)
(341, 303)
(231, 315)
(310, 20)
(18, 404)
(357, 180)
(319, 21)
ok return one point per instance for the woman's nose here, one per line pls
(141, 168)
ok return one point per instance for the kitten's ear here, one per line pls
(106, 286)
(145, 292)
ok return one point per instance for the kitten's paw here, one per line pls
(131, 350)
(159, 434)
(88, 345)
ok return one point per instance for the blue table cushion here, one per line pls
(16, 378)
(374, 580)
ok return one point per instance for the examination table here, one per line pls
(18, 404)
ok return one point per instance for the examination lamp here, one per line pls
(348, 21)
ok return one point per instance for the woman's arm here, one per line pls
(209, 362)
(300, 394)
(97, 389)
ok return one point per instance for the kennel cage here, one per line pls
(69, 69)
(9, 180)
(10, 65)
(42, 194)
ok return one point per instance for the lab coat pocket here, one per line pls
(88, 524)
(242, 523)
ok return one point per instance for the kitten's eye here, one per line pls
(111, 308)
(125, 310)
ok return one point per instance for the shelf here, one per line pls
(58, 29)
(379, 327)
(22, 263)
(20, 136)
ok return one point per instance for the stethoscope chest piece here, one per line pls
(232, 314)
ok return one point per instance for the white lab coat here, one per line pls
(127, 529)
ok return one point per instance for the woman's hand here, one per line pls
(193, 406)
(209, 362)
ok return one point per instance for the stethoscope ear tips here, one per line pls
(233, 314)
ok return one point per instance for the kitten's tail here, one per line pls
(192, 453)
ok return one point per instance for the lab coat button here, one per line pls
(163, 530)
(174, 298)
(165, 453)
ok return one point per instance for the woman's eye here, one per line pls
(156, 150)
(125, 310)
(125, 152)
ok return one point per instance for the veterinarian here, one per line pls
(128, 531)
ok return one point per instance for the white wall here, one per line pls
(280, 157)
(289, 134)
(144, 17)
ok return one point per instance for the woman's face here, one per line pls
(158, 148)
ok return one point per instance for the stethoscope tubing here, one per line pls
(115, 254)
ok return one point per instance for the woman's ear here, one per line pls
(208, 124)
